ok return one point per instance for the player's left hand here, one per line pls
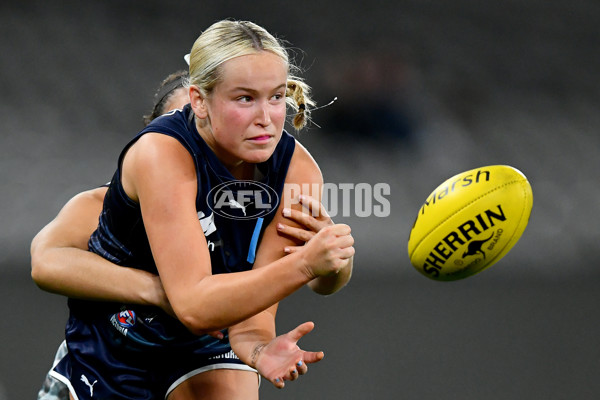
(282, 360)
(313, 217)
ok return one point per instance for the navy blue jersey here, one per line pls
(122, 239)
(233, 215)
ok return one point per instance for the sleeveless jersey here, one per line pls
(232, 223)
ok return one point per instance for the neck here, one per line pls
(242, 171)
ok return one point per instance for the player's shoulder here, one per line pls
(91, 195)
(303, 167)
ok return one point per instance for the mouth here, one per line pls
(261, 139)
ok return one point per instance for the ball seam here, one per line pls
(510, 243)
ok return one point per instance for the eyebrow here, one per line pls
(245, 89)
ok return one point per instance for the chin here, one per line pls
(257, 157)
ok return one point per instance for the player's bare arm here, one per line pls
(181, 253)
(308, 216)
(279, 358)
(62, 264)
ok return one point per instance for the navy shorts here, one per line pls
(104, 363)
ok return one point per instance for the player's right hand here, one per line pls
(326, 253)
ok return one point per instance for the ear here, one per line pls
(198, 102)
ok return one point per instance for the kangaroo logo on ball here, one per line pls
(475, 246)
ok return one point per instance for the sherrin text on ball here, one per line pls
(469, 222)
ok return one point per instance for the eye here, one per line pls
(244, 99)
(277, 96)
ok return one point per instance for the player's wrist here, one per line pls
(301, 265)
(154, 293)
(306, 266)
(256, 352)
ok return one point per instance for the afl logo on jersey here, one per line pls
(242, 200)
(126, 318)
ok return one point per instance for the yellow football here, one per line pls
(469, 222)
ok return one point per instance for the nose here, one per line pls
(263, 115)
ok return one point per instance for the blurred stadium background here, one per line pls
(425, 90)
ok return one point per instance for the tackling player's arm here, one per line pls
(62, 264)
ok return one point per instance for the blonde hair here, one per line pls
(228, 39)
